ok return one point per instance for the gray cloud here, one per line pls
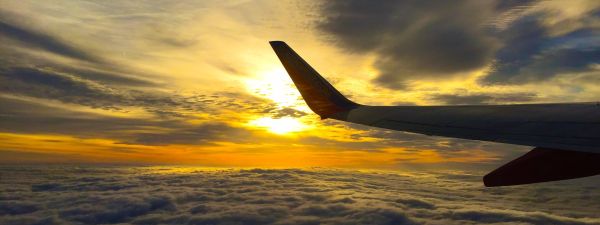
(17, 207)
(285, 112)
(531, 53)
(511, 4)
(116, 77)
(48, 84)
(43, 41)
(413, 39)
(142, 195)
(432, 40)
(28, 117)
(27, 88)
(32, 84)
(199, 134)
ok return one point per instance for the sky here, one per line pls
(196, 82)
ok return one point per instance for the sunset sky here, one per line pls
(196, 83)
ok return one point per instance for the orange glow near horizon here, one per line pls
(64, 149)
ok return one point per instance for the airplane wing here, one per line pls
(566, 136)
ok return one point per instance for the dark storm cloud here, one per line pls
(478, 99)
(436, 39)
(531, 54)
(146, 195)
(43, 41)
(413, 39)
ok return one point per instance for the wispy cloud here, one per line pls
(45, 42)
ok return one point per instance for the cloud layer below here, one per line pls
(175, 195)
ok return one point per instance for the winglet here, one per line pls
(319, 95)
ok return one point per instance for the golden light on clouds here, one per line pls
(283, 125)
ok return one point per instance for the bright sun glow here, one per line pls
(279, 126)
(277, 86)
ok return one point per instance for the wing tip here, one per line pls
(320, 96)
(276, 43)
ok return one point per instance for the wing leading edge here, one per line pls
(567, 136)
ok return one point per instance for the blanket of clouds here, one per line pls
(187, 195)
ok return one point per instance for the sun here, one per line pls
(279, 126)
(276, 85)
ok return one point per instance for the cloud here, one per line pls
(199, 134)
(116, 210)
(74, 88)
(531, 53)
(109, 99)
(512, 4)
(48, 84)
(29, 117)
(412, 39)
(174, 195)
(43, 41)
(116, 78)
(516, 42)
(285, 112)
(17, 207)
